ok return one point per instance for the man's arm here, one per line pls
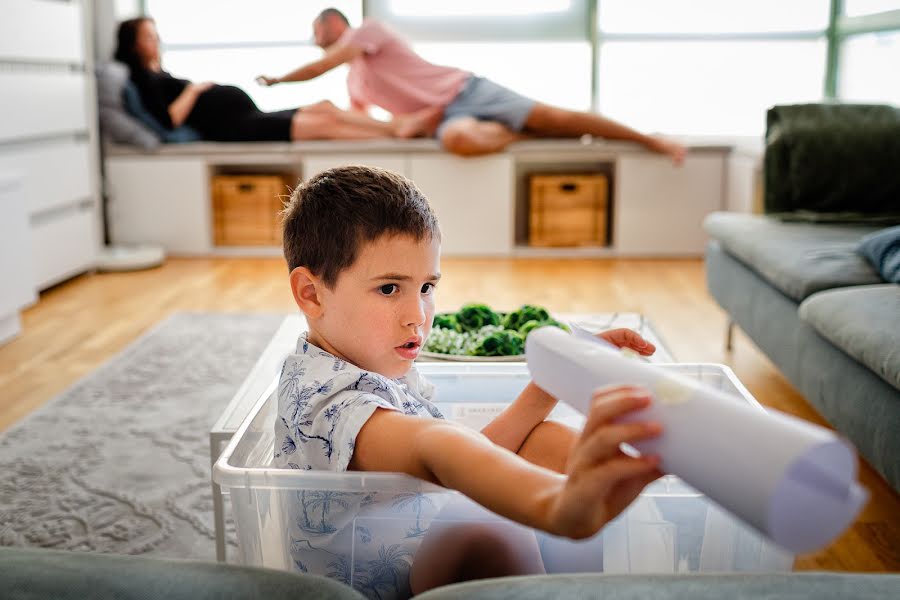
(334, 57)
(601, 481)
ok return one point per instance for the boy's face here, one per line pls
(379, 312)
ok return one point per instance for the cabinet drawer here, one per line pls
(41, 103)
(66, 163)
(64, 245)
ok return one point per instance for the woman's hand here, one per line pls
(627, 338)
(601, 479)
(199, 88)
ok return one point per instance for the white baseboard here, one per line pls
(10, 327)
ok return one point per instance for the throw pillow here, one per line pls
(882, 248)
(134, 105)
(115, 123)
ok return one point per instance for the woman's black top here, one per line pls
(222, 113)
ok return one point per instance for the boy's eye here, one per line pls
(388, 289)
(427, 288)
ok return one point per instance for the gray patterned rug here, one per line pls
(120, 461)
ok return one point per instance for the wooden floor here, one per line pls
(80, 324)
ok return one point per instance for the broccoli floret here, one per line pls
(447, 341)
(445, 321)
(499, 343)
(532, 325)
(527, 312)
(472, 317)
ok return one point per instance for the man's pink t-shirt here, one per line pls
(390, 75)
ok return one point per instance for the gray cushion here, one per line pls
(115, 122)
(131, 98)
(862, 321)
(658, 587)
(882, 248)
(31, 574)
(799, 259)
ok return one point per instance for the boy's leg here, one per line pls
(460, 547)
(553, 121)
(548, 445)
(468, 136)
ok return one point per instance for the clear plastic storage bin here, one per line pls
(364, 528)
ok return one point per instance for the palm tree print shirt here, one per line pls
(324, 401)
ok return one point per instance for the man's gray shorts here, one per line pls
(487, 101)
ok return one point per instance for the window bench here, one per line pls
(655, 209)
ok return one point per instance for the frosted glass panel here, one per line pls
(711, 16)
(239, 66)
(706, 87)
(483, 8)
(552, 72)
(228, 21)
(866, 64)
(855, 8)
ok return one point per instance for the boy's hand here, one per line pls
(602, 480)
(627, 338)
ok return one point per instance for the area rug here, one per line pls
(120, 462)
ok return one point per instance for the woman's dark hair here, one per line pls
(127, 40)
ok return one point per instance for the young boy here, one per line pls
(363, 249)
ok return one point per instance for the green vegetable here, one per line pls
(445, 321)
(500, 343)
(472, 317)
(532, 325)
(527, 312)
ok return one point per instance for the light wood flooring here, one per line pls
(80, 324)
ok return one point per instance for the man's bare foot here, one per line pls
(672, 149)
(421, 123)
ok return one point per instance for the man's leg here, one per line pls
(553, 121)
(468, 136)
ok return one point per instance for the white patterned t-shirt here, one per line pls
(364, 539)
(323, 402)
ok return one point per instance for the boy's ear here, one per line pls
(307, 290)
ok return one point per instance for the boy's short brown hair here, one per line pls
(330, 217)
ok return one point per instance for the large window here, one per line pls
(706, 66)
(233, 41)
(672, 66)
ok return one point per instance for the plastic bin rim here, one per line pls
(228, 476)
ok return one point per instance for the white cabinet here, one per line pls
(473, 200)
(659, 208)
(48, 134)
(160, 201)
(315, 164)
(17, 289)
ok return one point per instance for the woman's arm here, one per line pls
(601, 481)
(182, 106)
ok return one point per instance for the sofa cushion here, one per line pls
(882, 248)
(830, 158)
(862, 321)
(799, 259)
(115, 123)
(637, 586)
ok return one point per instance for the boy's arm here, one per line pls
(512, 427)
(600, 483)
